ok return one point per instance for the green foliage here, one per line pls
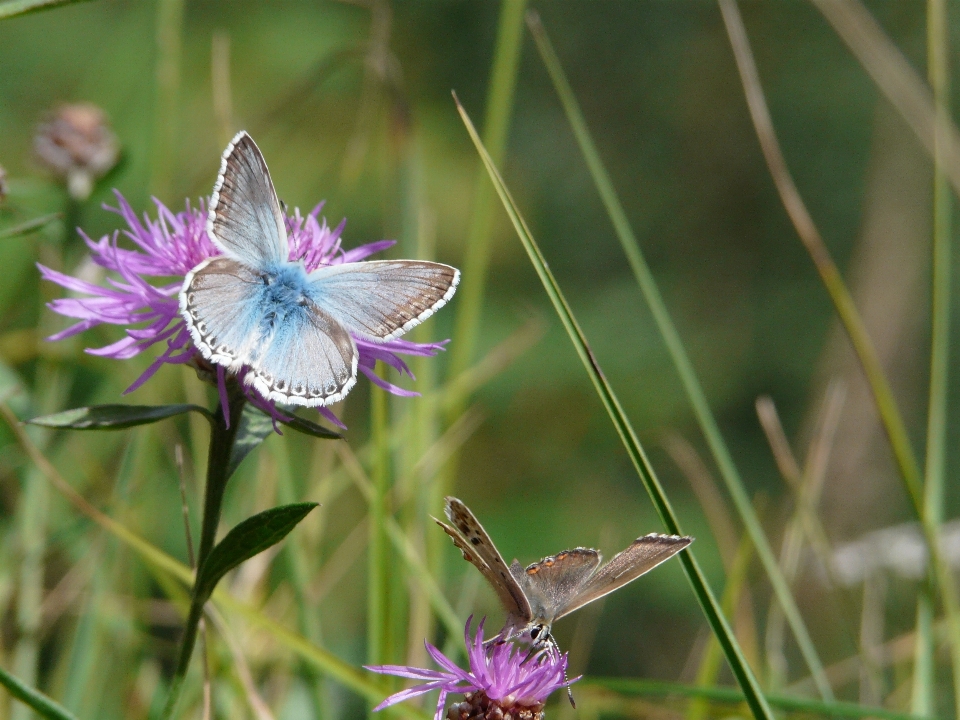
(251, 537)
(350, 104)
(113, 417)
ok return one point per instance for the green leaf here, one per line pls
(113, 417)
(249, 538)
(255, 427)
(12, 8)
(25, 228)
(308, 427)
(43, 705)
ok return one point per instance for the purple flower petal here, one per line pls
(503, 672)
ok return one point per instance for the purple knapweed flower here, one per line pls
(503, 680)
(169, 248)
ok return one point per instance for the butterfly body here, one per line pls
(254, 307)
(535, 596)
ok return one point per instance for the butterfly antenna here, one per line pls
(566, 678)
(283, 206)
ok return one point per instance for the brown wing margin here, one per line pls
(643, 554)
(478, 549)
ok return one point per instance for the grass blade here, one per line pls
(835, 709)
(849, 17)
(30, 226)
(12, 8)
(678, 354)
(708, 602)
(496, 121)
(924, 699)
(43, 705)
(896, 79)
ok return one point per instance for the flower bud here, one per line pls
(78, 146)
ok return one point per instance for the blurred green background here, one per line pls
(350, 103)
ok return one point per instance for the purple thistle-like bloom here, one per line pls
(170, 247)
(502, 679)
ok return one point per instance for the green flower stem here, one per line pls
(222, 438)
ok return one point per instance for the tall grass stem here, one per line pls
(938, 74)
(496, 126)
(378, 552)
(708, 602)
(165, 133)
(846, 309)
(678, 354)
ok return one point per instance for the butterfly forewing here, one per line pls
(212, 295)
(644, 554)
(477, 547)
(383, 299)
(245, 219)
(551, 583)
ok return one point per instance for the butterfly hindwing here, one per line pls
(383, 299)
(469, 536)
(218, 302)
(550, 583)
(643, 555)
(309, 359)
(245, 220)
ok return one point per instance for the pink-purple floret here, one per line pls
(171, 246)
(504, 672)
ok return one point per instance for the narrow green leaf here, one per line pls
(255, 427)
(836, 708)
(708, 602)
(308, 427)
(43, 705)
(249, 538)
(113, 417)
(25, 228)
(12, 8)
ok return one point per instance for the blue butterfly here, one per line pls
(293, 330)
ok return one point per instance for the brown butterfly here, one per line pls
(535, 596)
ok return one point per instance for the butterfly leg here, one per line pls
(507, 634)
